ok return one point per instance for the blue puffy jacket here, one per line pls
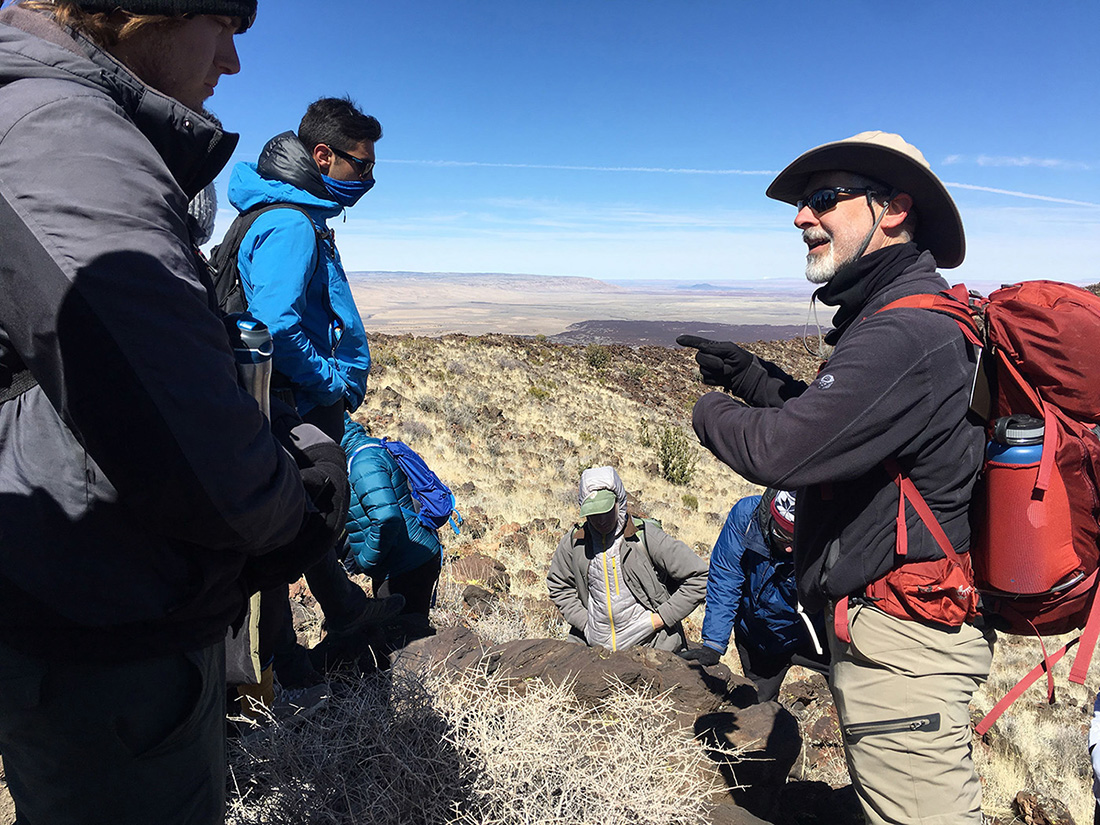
(320, 343)
(749, 588)
(386, 536)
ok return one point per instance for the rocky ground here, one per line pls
(512, 421)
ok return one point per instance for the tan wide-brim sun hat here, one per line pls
(886, 157)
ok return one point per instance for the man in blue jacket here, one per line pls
(752, 594)
(290, 269)
(294, 282)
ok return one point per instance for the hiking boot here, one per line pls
(375, 612)
(345, 646)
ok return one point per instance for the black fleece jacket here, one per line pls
(897, 386)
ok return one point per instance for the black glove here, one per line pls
(286, 564)
(706, 656)
(326, 481)
(321, 464)
(722, 363)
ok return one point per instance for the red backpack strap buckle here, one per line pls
(840, 620)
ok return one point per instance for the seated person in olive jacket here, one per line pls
(386, 539)
(621, 581)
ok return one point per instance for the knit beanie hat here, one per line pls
(244, 9)
(782, 510)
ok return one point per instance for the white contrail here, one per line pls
(685, 171)
(1022, 194)
(560, 167)
(1020, 161)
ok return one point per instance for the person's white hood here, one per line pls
(604, 478)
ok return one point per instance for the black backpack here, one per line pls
(223, 257)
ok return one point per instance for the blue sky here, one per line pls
(618, 139)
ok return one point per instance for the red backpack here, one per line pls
(1036, 521)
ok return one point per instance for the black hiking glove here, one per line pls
(321, 464)
(706, 656)
(722, 363)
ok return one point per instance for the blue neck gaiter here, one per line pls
(347, 192)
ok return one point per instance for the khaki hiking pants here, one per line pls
(902, 691)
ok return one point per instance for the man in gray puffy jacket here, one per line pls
(621, 581)
(143, 494)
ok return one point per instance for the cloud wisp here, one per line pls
(952, 159)
(1020, 162)
(1027, 195)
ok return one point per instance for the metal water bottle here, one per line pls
(1026, 544)
(1017, 439)
(252, 347)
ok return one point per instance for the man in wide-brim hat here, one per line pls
(889, 409)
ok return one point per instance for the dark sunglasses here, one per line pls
(363, 167)
(825, 199)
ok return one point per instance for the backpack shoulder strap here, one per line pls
(956, 303)
(223, 258)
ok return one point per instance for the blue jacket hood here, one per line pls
(248, 188)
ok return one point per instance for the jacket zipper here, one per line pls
(607, 587)
(929, 722)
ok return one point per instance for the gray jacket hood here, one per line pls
(286, 158)
(192, 146)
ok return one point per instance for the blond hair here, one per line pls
(106, 29)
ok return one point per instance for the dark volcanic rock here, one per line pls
(478, 599)
(663, 333)
(767, 743)
(728, 812)
(592, 671)
(1036, 809)
(765, 736)
(481, 570)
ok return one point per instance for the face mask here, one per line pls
(347, 192)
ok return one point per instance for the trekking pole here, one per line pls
(252, 347)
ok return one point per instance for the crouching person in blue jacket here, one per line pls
(386, 539)
(751, 593)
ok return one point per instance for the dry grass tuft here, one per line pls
(1036, 746)
(464, 748)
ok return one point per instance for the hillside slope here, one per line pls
(511, 422)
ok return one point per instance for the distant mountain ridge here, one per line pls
(663, 333)
(507, 280)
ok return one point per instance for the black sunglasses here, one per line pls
(825, 199)
(363, 166)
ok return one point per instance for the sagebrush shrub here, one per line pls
(597, 355)
(676, 455)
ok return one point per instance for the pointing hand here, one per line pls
(722, 363)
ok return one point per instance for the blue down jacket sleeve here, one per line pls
(726, 577)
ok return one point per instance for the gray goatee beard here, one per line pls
(820, 268)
